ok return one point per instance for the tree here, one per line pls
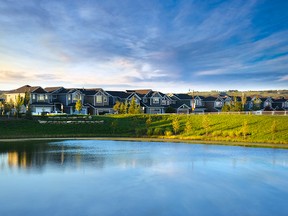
(206, 124)
(132, 106)
(78, 106)
(26, 99)
(245, 129)
(1, 107)
(170, 110)
(117, 106)
(176, 125)
(148, 121)
(123, 108)
(188, 125)
(226, 108)
(243, 101)
(273, 129)
(18, 104)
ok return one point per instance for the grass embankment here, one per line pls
(218, 128)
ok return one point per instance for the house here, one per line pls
(267, 103)
(152, 102)
(64, 99)
(280, 104)
(213, 104)
(98, 101)
(39, 98)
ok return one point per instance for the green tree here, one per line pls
(245, 129)
(18, 104)
(26, 99)
(176, 125)
(226, 108)
(148, 122)
(114, 126)
(78, 106)
(188, 125)
(273, 129)
(117, 106)
(206, 124)
(1, 107)
(243, 101)
(132, 106)
(170, 110)
(122, 108)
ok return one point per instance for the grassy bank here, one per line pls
(219, 128)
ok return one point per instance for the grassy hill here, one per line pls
(223, 127)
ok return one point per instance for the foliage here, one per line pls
(245, 129)
(170, 110)
(273, 129)
(18, 104)
(158, 131)
(188, 125)
(78, 106)
(176, 125)
(206, 124)
(221, 127)
(117, 107)
(148, 121)
(26, 99)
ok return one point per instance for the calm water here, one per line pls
(138, 178)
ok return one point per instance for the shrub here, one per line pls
(216, 133)
(150, 132)
(168, 132)
(140, 132)
(158, 131)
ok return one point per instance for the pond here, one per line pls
(94, 177)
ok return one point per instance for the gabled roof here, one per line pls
(120, 94)
(91, 91)
(52, 89)
(140, 91)
(183, 96)
(28, 88)
(210, 98)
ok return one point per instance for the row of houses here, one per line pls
(97, 101)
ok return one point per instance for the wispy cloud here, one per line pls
(136, 43)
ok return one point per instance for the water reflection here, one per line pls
(77, 177)
(98, 154)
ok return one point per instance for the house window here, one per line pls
(69, 97)
(286, 104)
(218, 104)
(163, 102)
(99, 99)
(198, 102)
(145, 100)
(76, 97)
(41, 97)
(54, 96)
(105, 99)
(155, 100)
(33, 96)
(46, 97)
(266, 104)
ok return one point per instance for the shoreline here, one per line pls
(224, 143)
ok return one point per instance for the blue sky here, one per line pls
(170, 45)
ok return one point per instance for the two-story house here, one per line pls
(39, 98)
(98, 101)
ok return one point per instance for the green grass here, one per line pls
(220, 128)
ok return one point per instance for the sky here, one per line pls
(169, 46)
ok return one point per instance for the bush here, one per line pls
(150, 132)
(168, 132)
(158, 131)
(140, 132)
(231, 134)
(216, 133)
